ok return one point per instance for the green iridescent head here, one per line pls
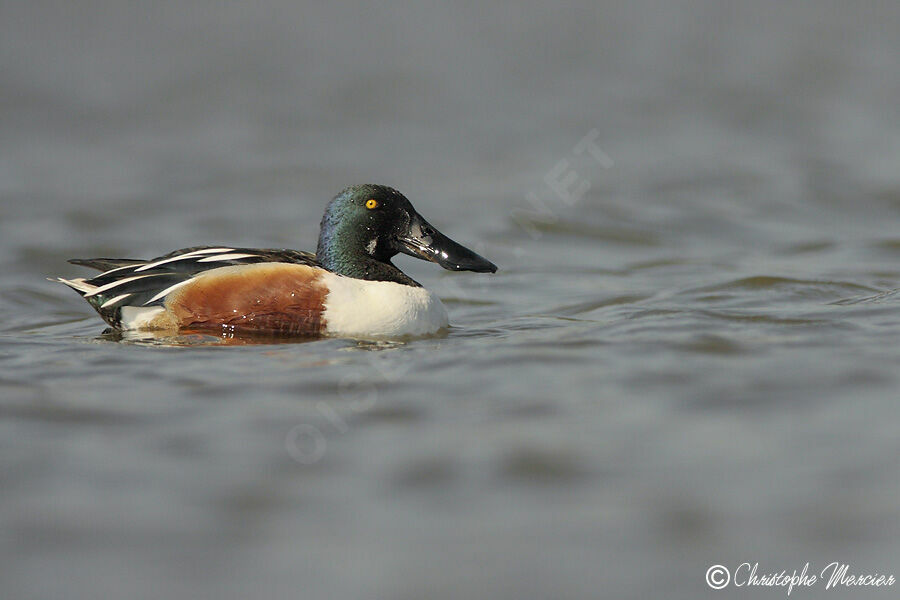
(366, 225)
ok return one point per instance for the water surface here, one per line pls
(693, 362)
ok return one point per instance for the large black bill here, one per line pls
(424, 241)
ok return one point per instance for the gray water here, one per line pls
(694, 362)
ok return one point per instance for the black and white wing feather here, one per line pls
(137, 285)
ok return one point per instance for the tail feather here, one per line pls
(80, 285)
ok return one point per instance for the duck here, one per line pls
(348, 288)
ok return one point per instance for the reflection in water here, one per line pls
(198, 338)
(214, 337)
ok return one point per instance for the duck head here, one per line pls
(365, 226)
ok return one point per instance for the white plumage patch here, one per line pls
(139, 317)
(379, 309)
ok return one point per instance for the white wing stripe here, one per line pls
(162, 262)
(219, 257)
(167, 291)
(187, 256)
(119, 282)
(212, 250)
(118, 269)
(112, 301)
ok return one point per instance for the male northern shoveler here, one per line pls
(349, 287)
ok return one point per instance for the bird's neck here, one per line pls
(361, 265)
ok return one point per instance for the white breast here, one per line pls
(376, 309)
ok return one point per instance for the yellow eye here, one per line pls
(371, 203)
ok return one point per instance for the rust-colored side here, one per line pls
(276, 298)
